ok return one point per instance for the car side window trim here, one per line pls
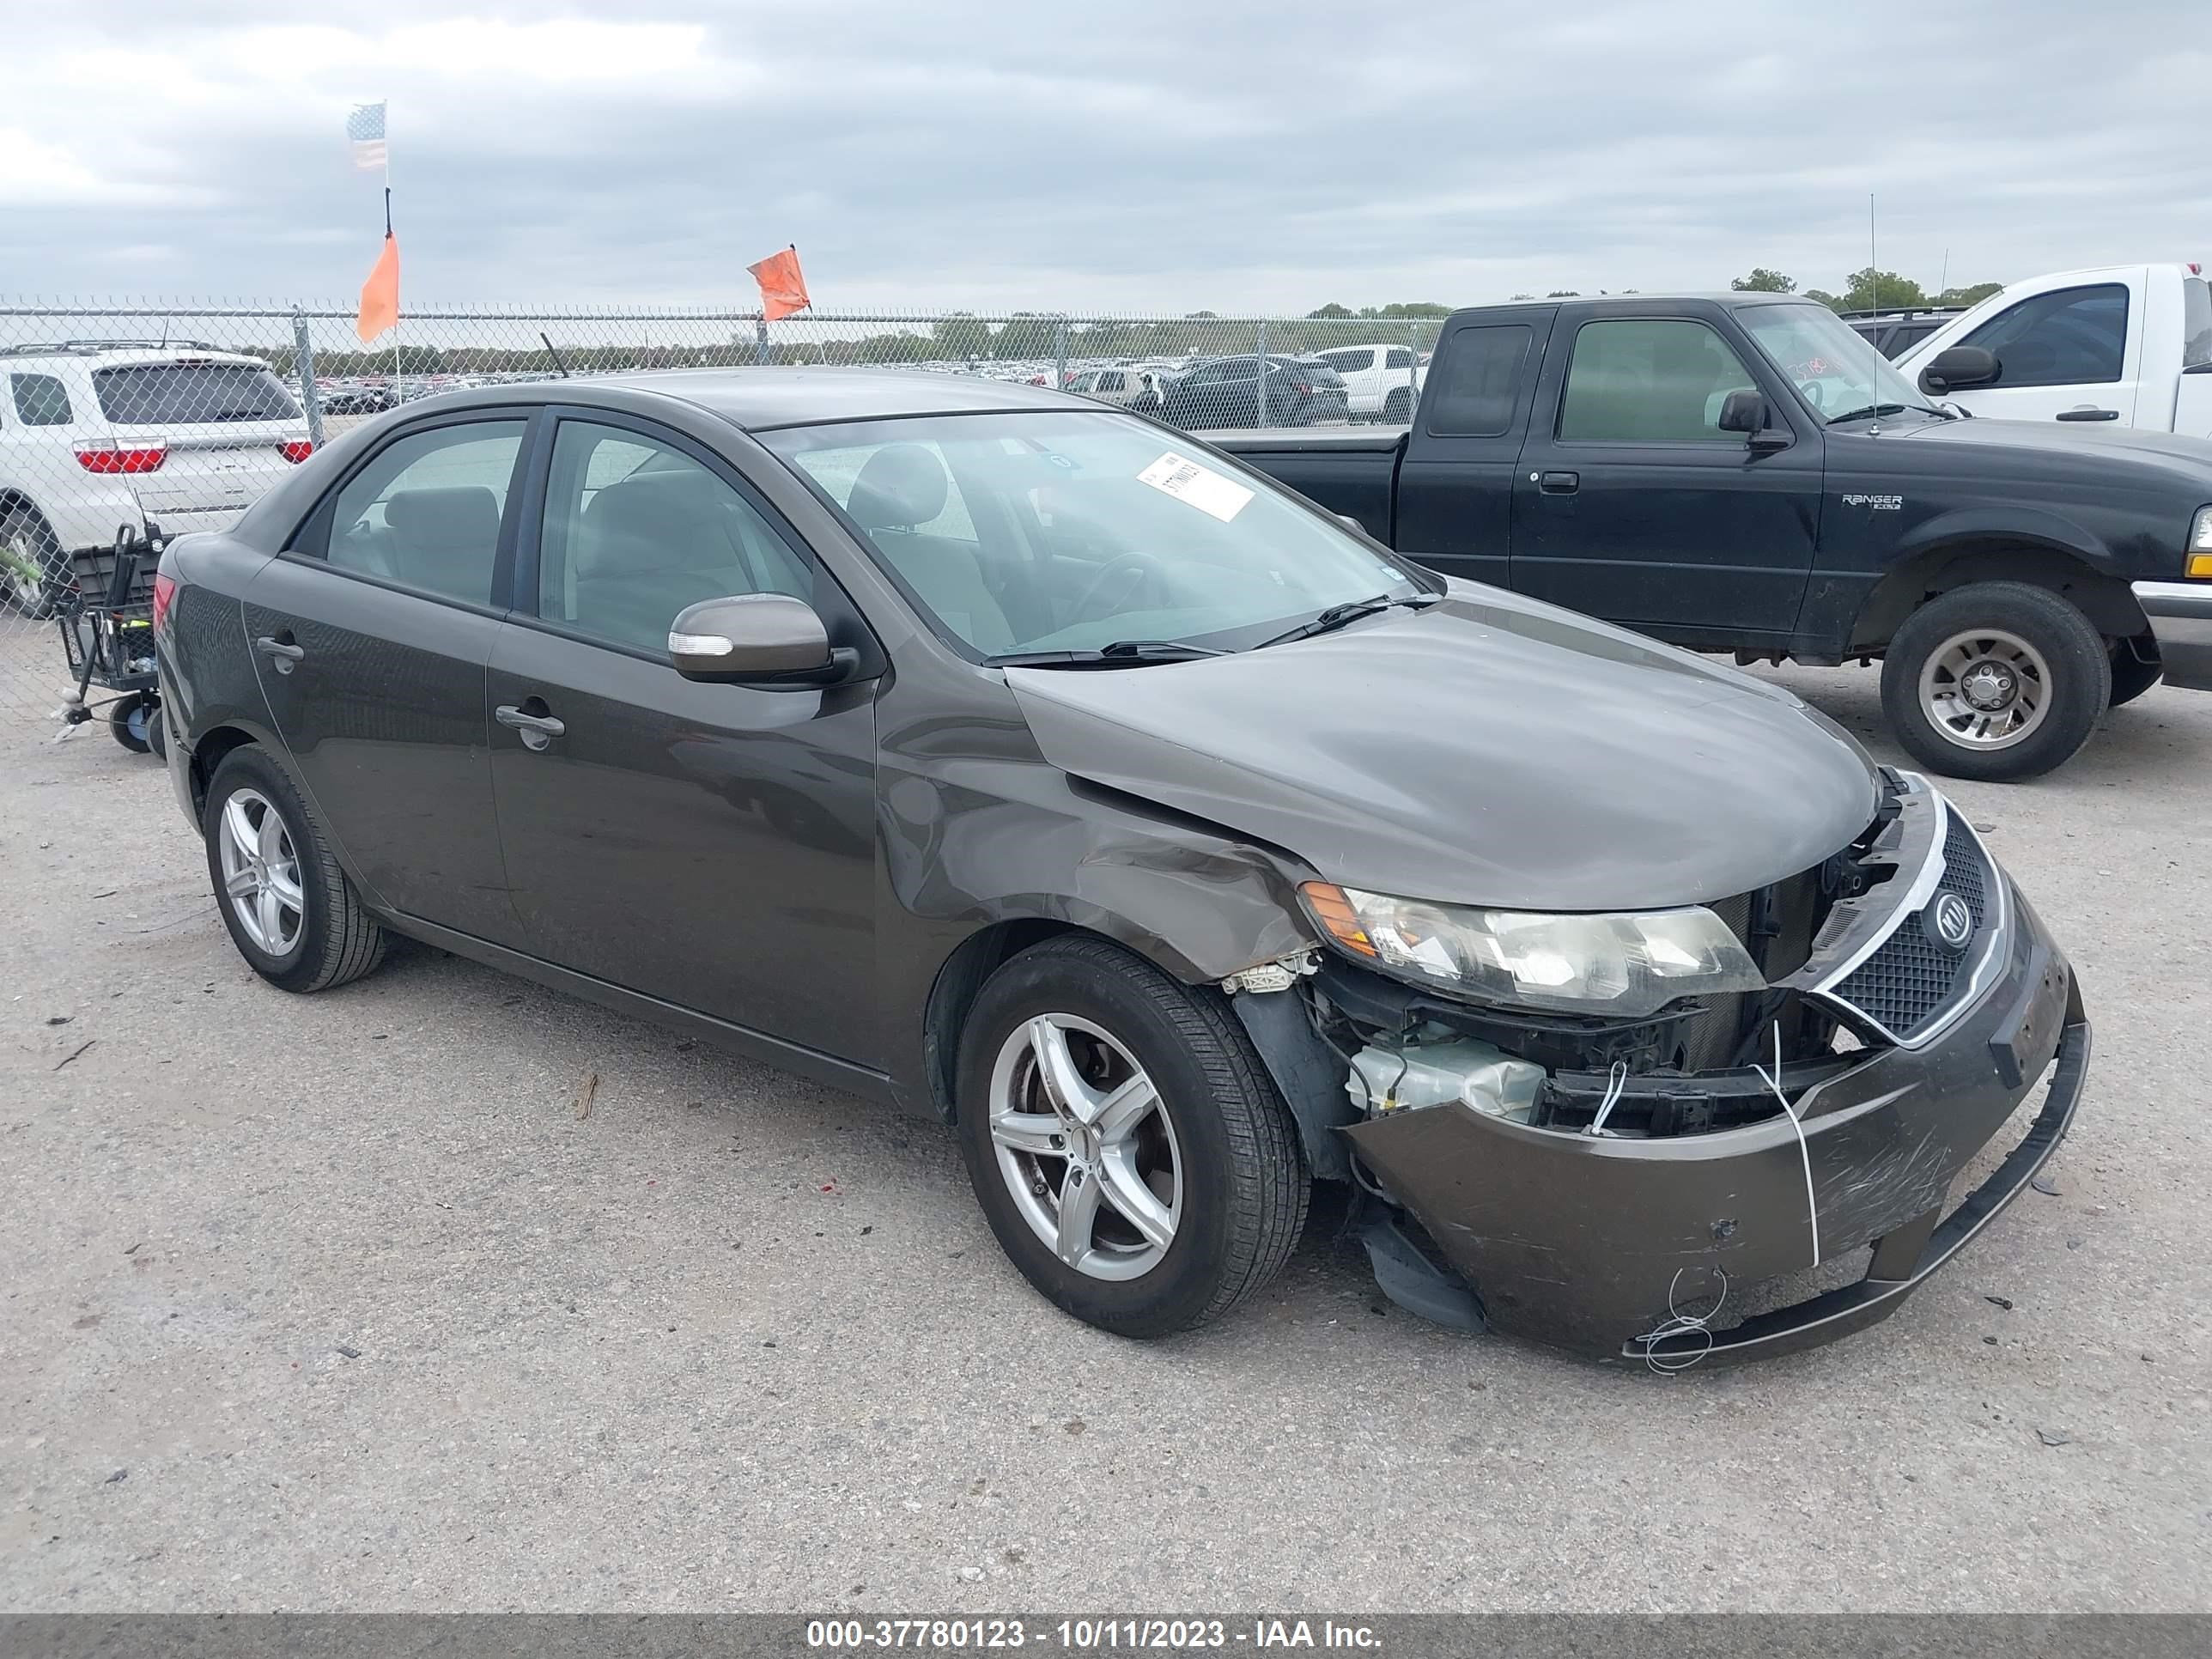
(845, 620)
(309, 543)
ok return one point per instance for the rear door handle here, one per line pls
(2087, 414)
(537, 730)
(1559, 483)
(282, 653)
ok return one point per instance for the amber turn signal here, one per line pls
(1329, 906)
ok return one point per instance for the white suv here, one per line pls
(1381, 382)
(97, 435)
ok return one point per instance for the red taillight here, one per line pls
(296, 450)
(165, 589)
(2195, 270)
(1302, 388)
(146, 459)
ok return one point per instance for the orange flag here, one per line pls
(379, 295)
(783, 290)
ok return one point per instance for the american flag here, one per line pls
(365, 128)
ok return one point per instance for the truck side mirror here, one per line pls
(1745, 411)
(1955, 367)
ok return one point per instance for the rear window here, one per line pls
(186, 394)
(2195, 322)
(1482, 381)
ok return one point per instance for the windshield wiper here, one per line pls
(1862, 413)
(1351, 610)
(1119, 653)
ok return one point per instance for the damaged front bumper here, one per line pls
(1598, 1243)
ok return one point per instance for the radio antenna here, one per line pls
(1873, 298)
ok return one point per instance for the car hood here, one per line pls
(1487, 749)
(2167, 450)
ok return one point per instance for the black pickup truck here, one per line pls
(1743, 473)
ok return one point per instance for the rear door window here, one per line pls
(191, 394)
(2071, 337)
(41, 400)
(424, 511)
(1400, 357)
(1476, 396)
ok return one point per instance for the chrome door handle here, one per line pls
(282, 653)
(537, 730)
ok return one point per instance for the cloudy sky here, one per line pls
(1158, 155)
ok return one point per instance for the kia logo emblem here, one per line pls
(1954, 921)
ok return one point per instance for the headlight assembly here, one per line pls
(2200, 532)
(1625, 964)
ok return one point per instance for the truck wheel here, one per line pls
(1398, 408)
(33, 571)
(1125, 1141)
(1995, 681)
(2132, 675)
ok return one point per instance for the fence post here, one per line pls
(1060, 355)
(303, 360)
(1259, 417)
(760, 340)
(1412, 368)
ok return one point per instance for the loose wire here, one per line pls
(1616, 1084)
(1678, 1323)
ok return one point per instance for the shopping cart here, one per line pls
(106, 621)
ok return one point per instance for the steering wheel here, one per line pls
(1815, 392)
(1123, 582)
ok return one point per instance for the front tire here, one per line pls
(290, 910)
(1995, 682)
(1128, 1147)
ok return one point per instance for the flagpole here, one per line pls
(398, 381)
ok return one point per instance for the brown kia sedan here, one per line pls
(1037, 767)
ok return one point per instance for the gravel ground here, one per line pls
(336, 1303)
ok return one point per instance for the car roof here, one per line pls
(761, 400)
(112, 352)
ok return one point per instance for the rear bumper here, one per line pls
(1589, 1243)
(2181, 620)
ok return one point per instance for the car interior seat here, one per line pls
(902, 487)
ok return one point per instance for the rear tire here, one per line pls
(35, 572)
(2131, 674)
(1995, 682)
(1222, 1162)
(290, 910)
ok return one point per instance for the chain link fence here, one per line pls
(169, 418)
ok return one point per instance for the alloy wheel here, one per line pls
(261, 872)
(1985, 689)
(1085, 1145)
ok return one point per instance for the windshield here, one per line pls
(1047, 531)
(1839, 371)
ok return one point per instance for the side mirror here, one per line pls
(1955, 367)
(757, 639)
(1743, 411)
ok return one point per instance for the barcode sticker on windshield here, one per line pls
(1201, 487)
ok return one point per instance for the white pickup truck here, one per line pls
(2119, 346)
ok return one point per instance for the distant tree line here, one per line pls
(1867, 291)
